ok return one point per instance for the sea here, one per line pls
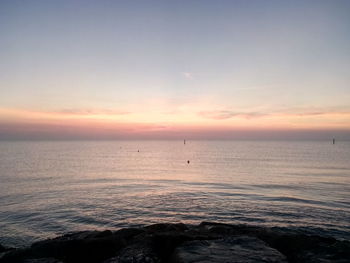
(48, 188)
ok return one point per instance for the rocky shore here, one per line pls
(180, 243)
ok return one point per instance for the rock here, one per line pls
(336, 252)
(295, 245)
(306, 248)
(88, 246)
(229, 250)
(140, 249)
(42, 260)
(138, 253)
(2, 248)
(157, 228)
(163, 243)
(129, 233)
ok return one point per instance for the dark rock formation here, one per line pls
(175, 243)
(233, 249)
(42, 260)
(2, 248)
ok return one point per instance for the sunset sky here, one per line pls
(174, 69)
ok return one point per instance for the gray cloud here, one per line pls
(226, 114)
(91, 112)
(297, 112)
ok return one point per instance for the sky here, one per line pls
(174, 69)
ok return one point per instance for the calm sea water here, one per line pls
(50, 188)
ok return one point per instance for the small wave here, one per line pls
(296, 200)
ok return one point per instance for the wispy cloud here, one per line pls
(286, 112)
(90, 112)
(62, 114)
(188, 75)
(226, 114)
(312, 111)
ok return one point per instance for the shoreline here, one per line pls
(175, 243)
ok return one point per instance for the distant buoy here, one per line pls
(333, 141)
(184, 141)
(188, 161)
(138, 151)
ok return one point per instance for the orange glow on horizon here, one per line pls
(174, 121)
